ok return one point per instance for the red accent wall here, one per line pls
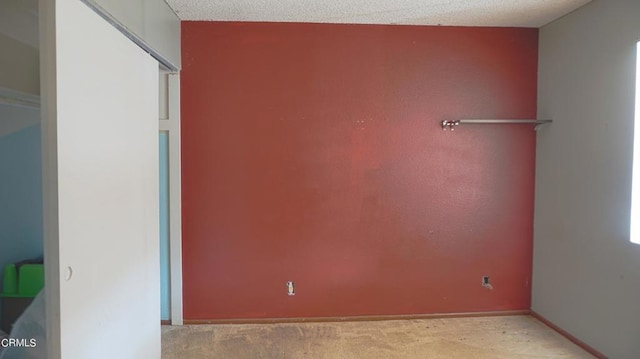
(314, 153)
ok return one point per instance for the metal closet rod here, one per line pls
(450, 125)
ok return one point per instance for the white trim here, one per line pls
(635, 183)
(48, 113)
(175, 198)
(164, 99)
(165, 125)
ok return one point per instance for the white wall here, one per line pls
(15, 118)
(100, 163)
(19, 20)
(19, 66)
(586, 272)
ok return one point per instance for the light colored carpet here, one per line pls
(508, 337)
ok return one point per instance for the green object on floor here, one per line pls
(10, 280)
(25, 282)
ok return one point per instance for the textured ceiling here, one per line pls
(516, 13)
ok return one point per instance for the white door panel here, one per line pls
(106, 140)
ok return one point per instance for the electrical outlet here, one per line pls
(486, 283)
(291, 289)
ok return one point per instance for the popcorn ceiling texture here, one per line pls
(516, 13)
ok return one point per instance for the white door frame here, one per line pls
(171, 124)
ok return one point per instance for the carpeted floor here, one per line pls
(508, 337)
